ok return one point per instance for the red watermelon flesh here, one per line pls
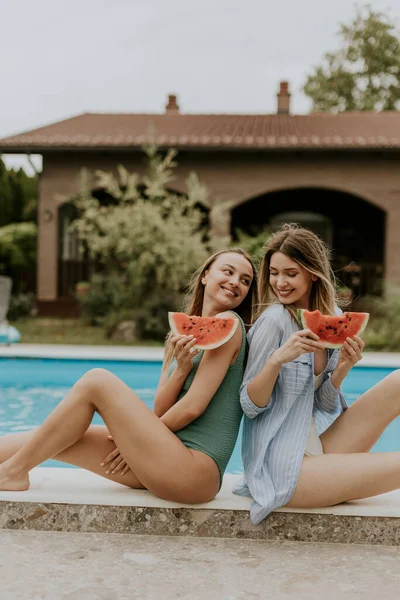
(334, 329)
(210, 332)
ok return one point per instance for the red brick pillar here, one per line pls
(392, 246)
(47, 272)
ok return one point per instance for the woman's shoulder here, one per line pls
(337, 310)
(229, 314)
(275, 313)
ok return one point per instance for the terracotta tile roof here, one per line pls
(357, 130)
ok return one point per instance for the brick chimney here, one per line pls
(283, 98)
(172, 107)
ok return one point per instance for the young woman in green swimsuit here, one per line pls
(180, 450)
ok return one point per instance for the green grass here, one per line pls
(40, 330)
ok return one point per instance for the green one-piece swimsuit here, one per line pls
(216, 430)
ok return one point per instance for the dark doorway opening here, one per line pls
(353, 227)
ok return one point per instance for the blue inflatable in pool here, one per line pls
(9, 334)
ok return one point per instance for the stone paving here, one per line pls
(75, 500)
(84, 566)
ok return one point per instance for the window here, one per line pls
(69, 243)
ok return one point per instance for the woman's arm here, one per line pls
(330, 391)
(328, 397)
(210, 374)
(168, 389)
(262, 369)
(268, 353)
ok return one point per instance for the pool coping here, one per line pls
(143, 353)
(62, 499)
(77, 352)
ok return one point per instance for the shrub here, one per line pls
(383, 330)
(148, 241)
(152, 318)
(254, 244)
(114, 318)
(102, 296)
(18, 246)
(21, 305)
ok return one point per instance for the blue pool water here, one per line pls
(30, 388)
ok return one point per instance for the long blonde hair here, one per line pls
(193, 304)
(308, 250)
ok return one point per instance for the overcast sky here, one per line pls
(59, 58)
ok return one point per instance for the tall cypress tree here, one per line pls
(6, 196)
(18, 196)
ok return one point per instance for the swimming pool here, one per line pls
(31, 387)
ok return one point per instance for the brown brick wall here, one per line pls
(232, 178)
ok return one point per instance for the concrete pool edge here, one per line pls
(77, 352)
(75, 500)
(143, 353)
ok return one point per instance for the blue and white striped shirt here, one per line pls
(275, 436)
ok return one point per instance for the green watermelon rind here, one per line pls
(301, 318)
(205, 346)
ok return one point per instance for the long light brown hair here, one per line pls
(193, 304)
(308, 250)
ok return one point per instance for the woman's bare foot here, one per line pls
(11, 480)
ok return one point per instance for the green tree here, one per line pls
(6, 196)
(25, 193)
(18, 196)
(147, 240)
(364, 74)
(18, 259)
(18, 246)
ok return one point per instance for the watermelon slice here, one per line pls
(210, 332)
(333, 330)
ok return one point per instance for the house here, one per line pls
(336, 173)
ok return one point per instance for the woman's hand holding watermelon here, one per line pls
(183, 351)
(350, 354)
(299, 343)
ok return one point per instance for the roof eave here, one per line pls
(15, 149)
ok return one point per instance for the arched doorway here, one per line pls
(353, 227)
(320, 224)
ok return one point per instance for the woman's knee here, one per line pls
(393, 379)
(395, 374)
(95, 380)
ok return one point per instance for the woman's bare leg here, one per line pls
(347, 471)
(87, 453)
(156, 456)
(361, 425)
(333, 478)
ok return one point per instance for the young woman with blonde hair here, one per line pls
(180, 451)
(302, 446)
